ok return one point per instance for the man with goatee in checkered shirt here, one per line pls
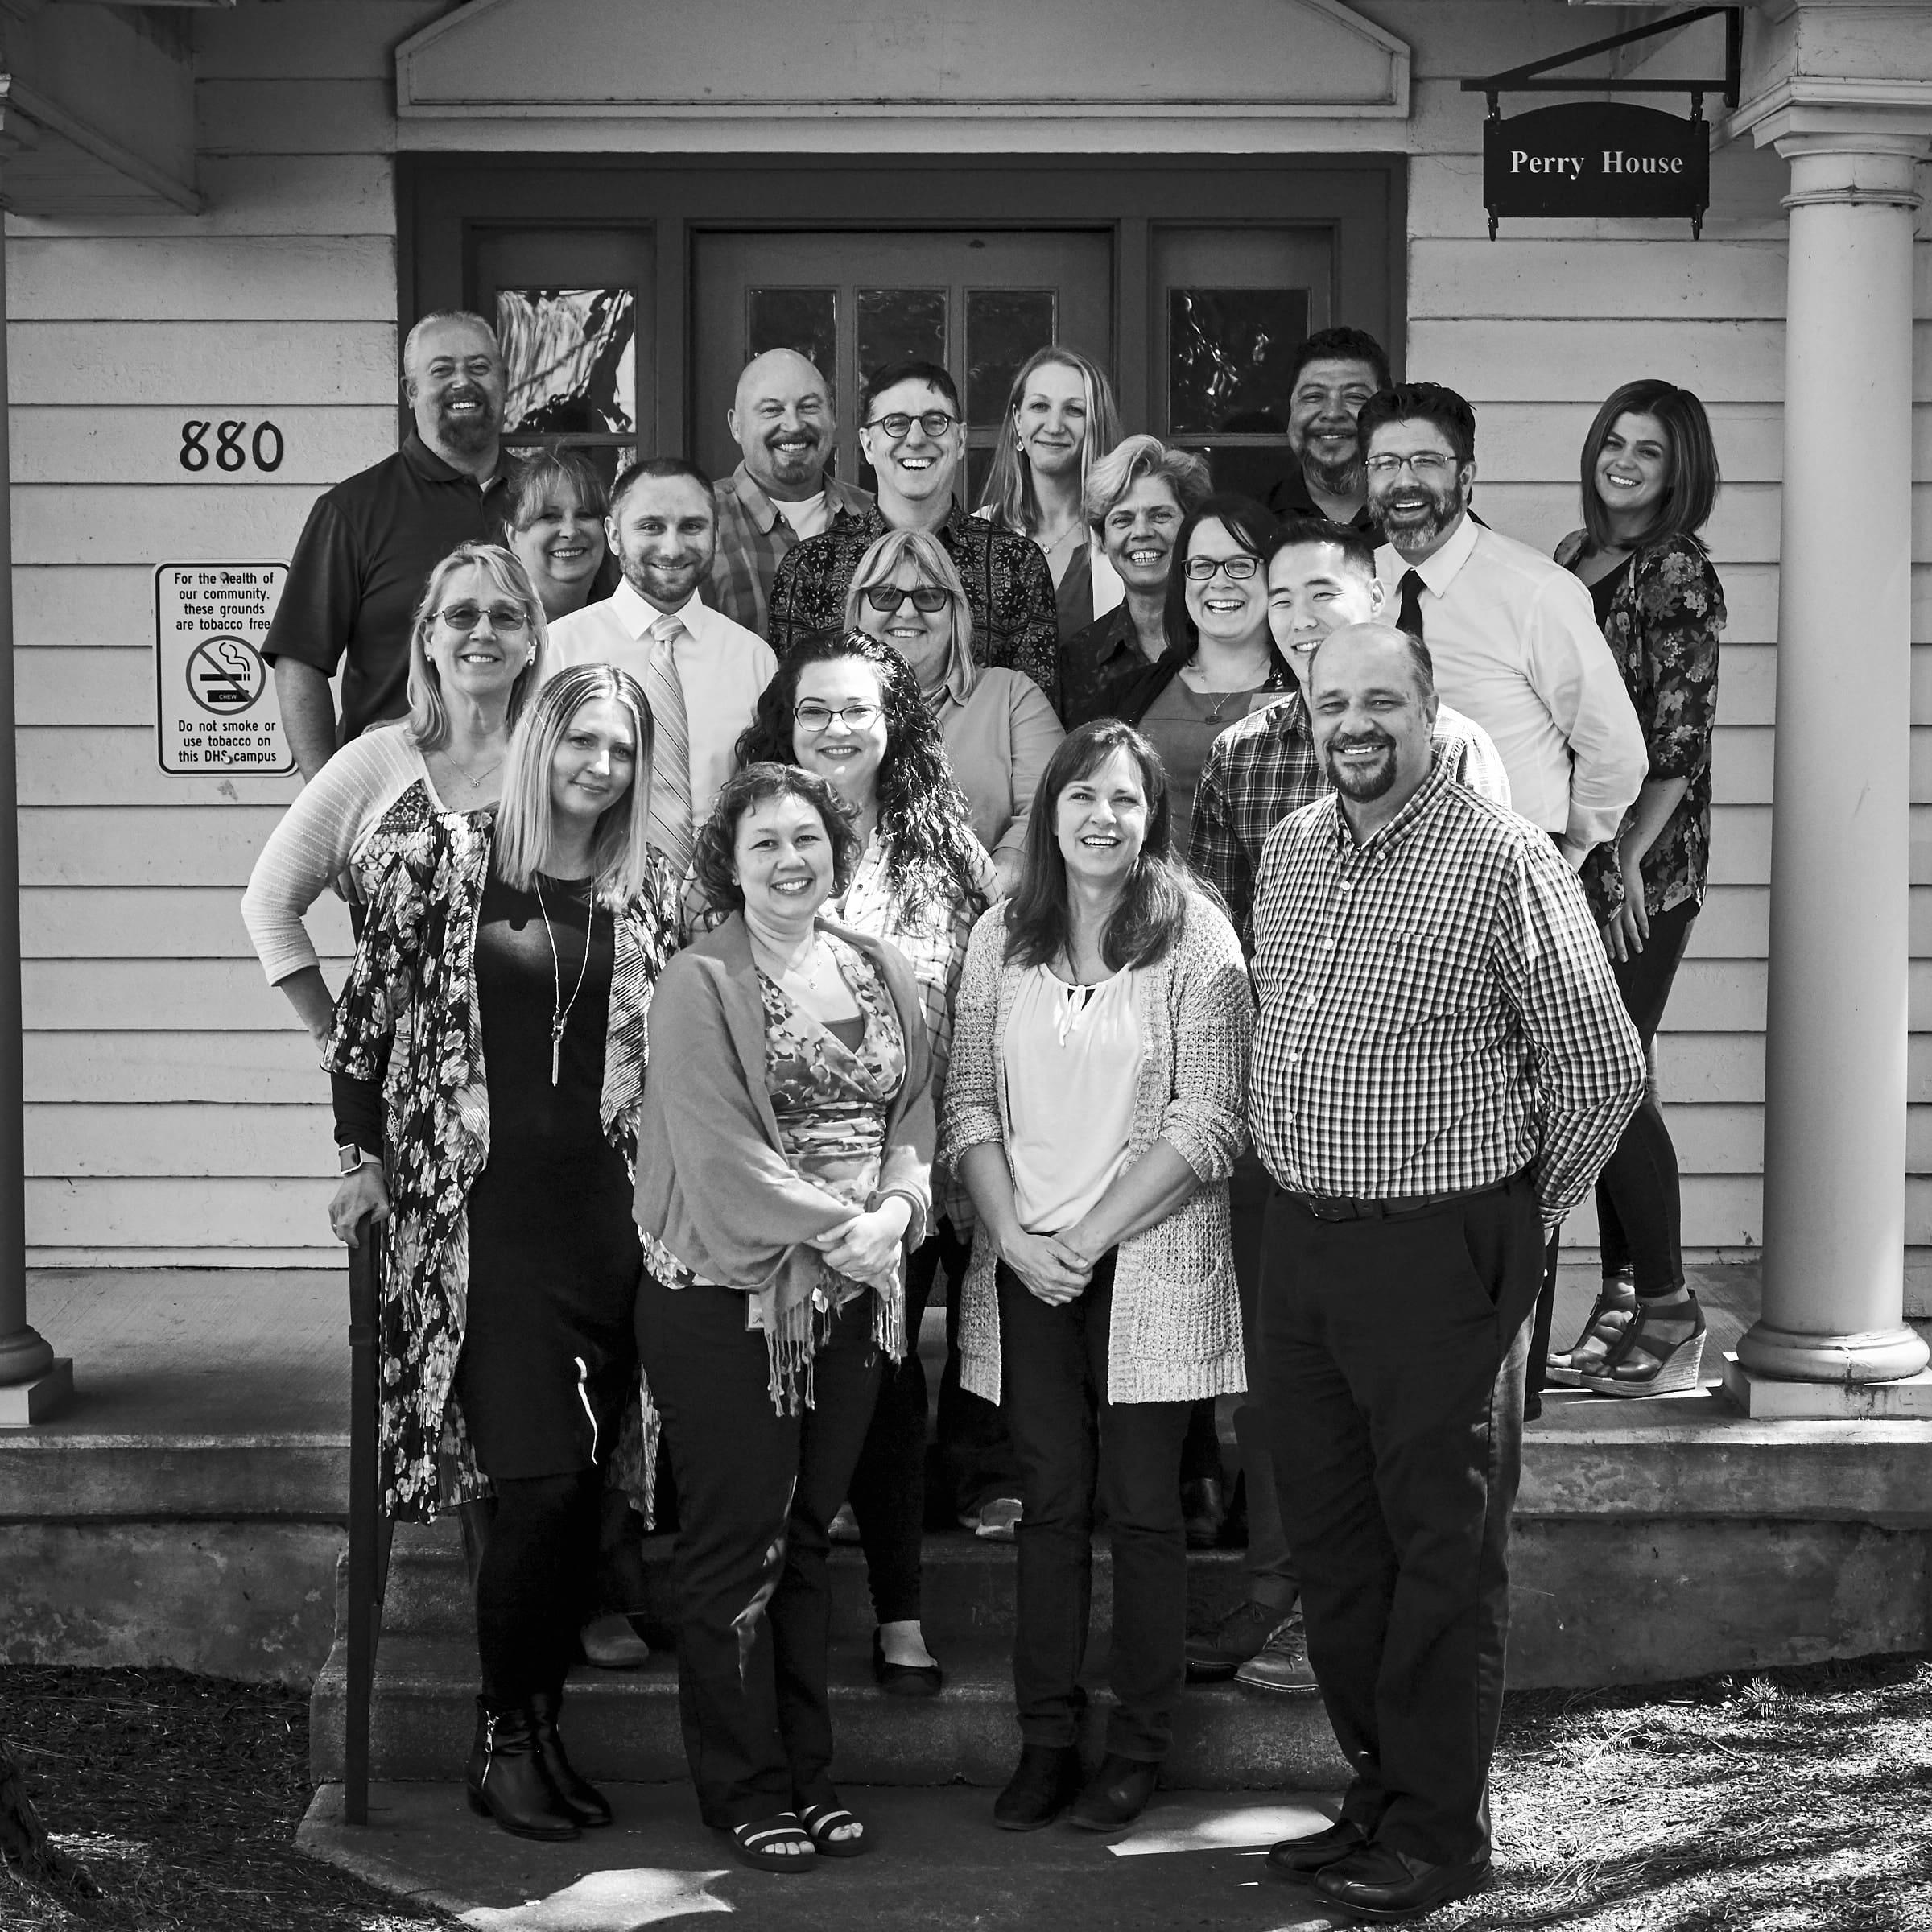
(1441, 1066)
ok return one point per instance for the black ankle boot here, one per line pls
(1042, 1788)
(581, 1799)
(506, 1780)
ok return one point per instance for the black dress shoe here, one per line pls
(1378, 1882)
(582, 1799)
(1303, 1857)
(1116, 1795)
(1042, 1788)
(904, 1680)
(506, 1780)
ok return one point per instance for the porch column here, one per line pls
(32, 1381)
(1834, 1069)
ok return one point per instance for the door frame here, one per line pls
(444, 200)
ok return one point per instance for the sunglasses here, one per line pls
(888, 598)
(505, 619)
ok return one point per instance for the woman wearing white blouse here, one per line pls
(1094, 1109)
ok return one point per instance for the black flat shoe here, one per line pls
(904, 1680)
(1377, 1882)
(506, 1780)
(582, 1799)
(1042, 1788)
(1303, 1857)
(1116, 1795)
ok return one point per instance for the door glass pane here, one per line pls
(571, 355)
(803, 319)
(900, 325)
(1004, 327)
(1228, 351)
(606, 457)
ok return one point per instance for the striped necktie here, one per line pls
(1409, 613)
(670, 807)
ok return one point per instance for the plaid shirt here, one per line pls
(1437, 1009)
(753, 541)
(1016, 623)
(1264, 767)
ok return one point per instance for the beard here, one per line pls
(1442, 507)
(1338, 479)
(1355, 782)
(471, 435)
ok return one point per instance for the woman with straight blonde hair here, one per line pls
(488, 1060)
(1061, 419)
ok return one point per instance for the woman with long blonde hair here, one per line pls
(1061, 419)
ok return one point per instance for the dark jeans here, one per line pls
(1271, 1578)
(1074, 1445)
(535, 1581)
(1394, 1369)
(755, 1491)
(975, 1449)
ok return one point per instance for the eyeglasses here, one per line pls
(814, 717)
(505, 619)
(889, 597)
(899, 426)
(1424, 462)
(1237, 570)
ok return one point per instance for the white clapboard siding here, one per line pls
(196, 1142)
(105, 603)
(140, 1069)
(228, 279)
(1530, 361)
(148, 996)
(148, 1213)
(200, 364)
(87, 523)
(83, 689)
(1693, 1068)
(319, 446)
(1654, 279)
(175, 923)
(142, 845)
(266, 195)
(106, 766)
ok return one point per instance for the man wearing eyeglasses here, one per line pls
(701, 672)
(910, 431)
(1513, 635)
(370, 544)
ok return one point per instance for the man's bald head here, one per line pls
(1377, 635)
(1372, 706)
(783, 421)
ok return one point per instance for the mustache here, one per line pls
(1373, 741)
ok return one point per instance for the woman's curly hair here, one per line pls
(714, 854)
(923, 813)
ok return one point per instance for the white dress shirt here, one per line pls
(722, 666)
(1516, 648)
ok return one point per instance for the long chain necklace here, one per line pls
(559, 1009)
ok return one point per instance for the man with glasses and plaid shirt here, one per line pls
(910, 431)
(1442, 1064)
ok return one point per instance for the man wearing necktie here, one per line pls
(701, 672)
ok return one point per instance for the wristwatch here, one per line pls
(352, 1157)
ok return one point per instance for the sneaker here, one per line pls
(998, 1520)
(1219, 1652)
(844, 1527)
(1280, 1665)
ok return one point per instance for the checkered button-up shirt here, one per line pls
(754, 539)
(1264, 767)
(1016, 623)
(1437, 1011)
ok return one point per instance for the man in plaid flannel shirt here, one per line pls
(1442, 1064)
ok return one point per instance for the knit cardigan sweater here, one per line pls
(1176, 1332)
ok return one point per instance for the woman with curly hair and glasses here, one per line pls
(783, 1173)
(849, 708)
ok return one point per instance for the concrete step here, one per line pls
(624, 1725)
(969, 1586)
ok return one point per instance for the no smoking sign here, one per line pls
(214, 701)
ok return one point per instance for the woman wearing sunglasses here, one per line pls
(999, 730)
(849, 708)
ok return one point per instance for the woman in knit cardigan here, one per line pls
(1094, 1109)
(784, 1162)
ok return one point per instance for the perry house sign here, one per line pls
(1596, 158)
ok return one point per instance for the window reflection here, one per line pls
(1004, 327)
(571, 359)
(806, 319)
(900, 325)
(1228, 351)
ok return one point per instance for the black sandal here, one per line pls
(821, 1821)
(757, 1843)
(1602, 1332)
(1660, 1354)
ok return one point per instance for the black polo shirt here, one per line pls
(1290, 497)
(359, 567)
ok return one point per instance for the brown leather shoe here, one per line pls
(1380, 1882)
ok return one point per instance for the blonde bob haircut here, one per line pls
(620, 852)
(428, 721)
(1010, 496)
(880, 564)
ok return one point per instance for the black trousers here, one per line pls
(535, 1582)
(1394, 1356)
(755, 1491)
(1074, 1445)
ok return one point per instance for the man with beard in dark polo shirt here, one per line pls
(370, 543)
(1336, 371)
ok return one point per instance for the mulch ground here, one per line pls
(1796, 1798)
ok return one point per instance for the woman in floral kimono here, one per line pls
(487, 1057)
(1649, 479)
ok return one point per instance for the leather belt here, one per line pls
(1340, 1208)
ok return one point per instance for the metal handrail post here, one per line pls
(364, 1525)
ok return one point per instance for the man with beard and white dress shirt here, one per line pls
(701, 672)
(1336, 370)
(1513, 636)
(370, 544)
(783, 421)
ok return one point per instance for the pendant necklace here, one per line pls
(560, 1010)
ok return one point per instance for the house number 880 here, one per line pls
(264, 447)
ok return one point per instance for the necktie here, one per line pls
(670, 807)
(1409, 613)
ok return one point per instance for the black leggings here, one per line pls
(535, 1582)
(1639, 1203)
